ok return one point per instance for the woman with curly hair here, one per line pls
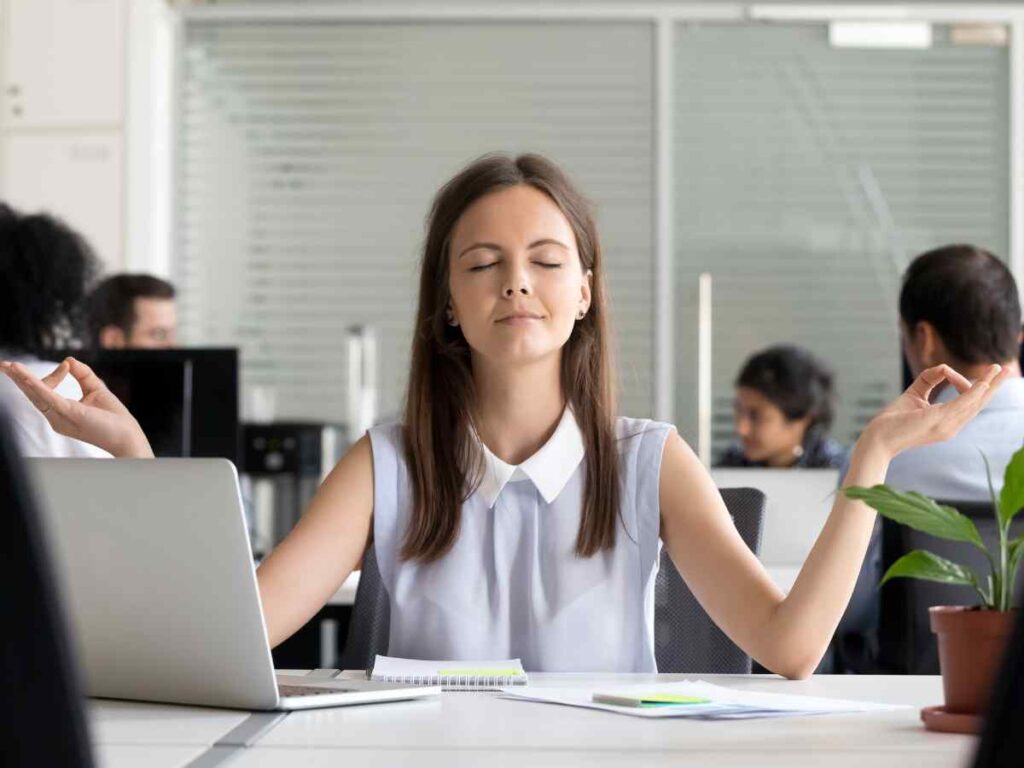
(45, 271)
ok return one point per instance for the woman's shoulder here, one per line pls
(628, 430)
(389, 435)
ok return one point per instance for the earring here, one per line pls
(582, 314)
(451, 317)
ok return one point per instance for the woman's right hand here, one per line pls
(98, 418)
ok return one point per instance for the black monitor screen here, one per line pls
(186, 400)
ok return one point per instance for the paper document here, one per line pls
(699, 699)
(450, 675)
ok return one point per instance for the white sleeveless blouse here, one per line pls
(512, 585)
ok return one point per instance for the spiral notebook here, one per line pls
(450, 675)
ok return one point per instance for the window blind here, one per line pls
(309, 154)
(806, 178)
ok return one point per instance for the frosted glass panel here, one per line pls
(806, 178)
(310, 153)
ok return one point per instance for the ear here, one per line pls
(112, 337)
(450, 317)
(586, 287)
(929, 346)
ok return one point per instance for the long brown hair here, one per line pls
(445, 462)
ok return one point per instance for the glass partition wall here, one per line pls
(806, 178)
(800, 175)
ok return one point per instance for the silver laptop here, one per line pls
(154, 564)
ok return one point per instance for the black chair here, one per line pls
(41, 718)
(685, 637)
(905, 641)
(686, 640)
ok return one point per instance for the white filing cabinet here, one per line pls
(62, 139)
(77, 176)
(64, 63)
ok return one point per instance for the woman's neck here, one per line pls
(518, 408)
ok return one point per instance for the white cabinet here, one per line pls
(77, 177)
(64, 63)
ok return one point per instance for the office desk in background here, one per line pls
(480, 729)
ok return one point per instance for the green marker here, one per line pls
(649, 700)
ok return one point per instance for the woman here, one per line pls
(45, 270)
(512, 513)
(784, 406)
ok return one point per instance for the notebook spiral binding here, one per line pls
(456, 682)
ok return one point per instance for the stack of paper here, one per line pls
(698, 699)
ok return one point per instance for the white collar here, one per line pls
(549, 468)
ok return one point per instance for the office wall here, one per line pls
(85, 121)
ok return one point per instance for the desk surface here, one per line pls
(482, 729)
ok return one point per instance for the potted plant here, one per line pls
(971, 638)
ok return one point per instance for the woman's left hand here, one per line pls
(910, 420)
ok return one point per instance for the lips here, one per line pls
(519, 317)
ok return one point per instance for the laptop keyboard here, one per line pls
(309, 690)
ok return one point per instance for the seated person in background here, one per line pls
(784, 406)
(958, 306)
(45, 268)
(132, 312)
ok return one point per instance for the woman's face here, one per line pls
(516, 282)
(765, 432)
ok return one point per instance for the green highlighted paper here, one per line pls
(649, 700)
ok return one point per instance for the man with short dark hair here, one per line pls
(132, 312)
(959, 306)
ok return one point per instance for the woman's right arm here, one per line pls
(305, 569)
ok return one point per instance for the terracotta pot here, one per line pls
(971, 644)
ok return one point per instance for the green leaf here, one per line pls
(1016, 556)
(920, 564)
(918, 512)
(1011, 499)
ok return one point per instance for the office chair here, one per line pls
(41, 718)
(905, 641)
(685, 637)
(686, 640)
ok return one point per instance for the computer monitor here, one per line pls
(41, 714)
(185, 400)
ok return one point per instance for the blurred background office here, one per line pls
(764, 174)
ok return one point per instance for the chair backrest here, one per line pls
(41, 717)
(686, 640)
(905, 641)
(685, 637)
(371, 618)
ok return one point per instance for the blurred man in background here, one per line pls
(132, 312)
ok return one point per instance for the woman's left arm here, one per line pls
(789, 634)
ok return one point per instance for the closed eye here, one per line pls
(482, 267)
(548, 265)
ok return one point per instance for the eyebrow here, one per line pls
(531, 246)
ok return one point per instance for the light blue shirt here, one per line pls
(512, 585)
(954, 470)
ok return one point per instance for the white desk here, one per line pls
(479, 729)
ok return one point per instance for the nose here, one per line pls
(516, 283)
